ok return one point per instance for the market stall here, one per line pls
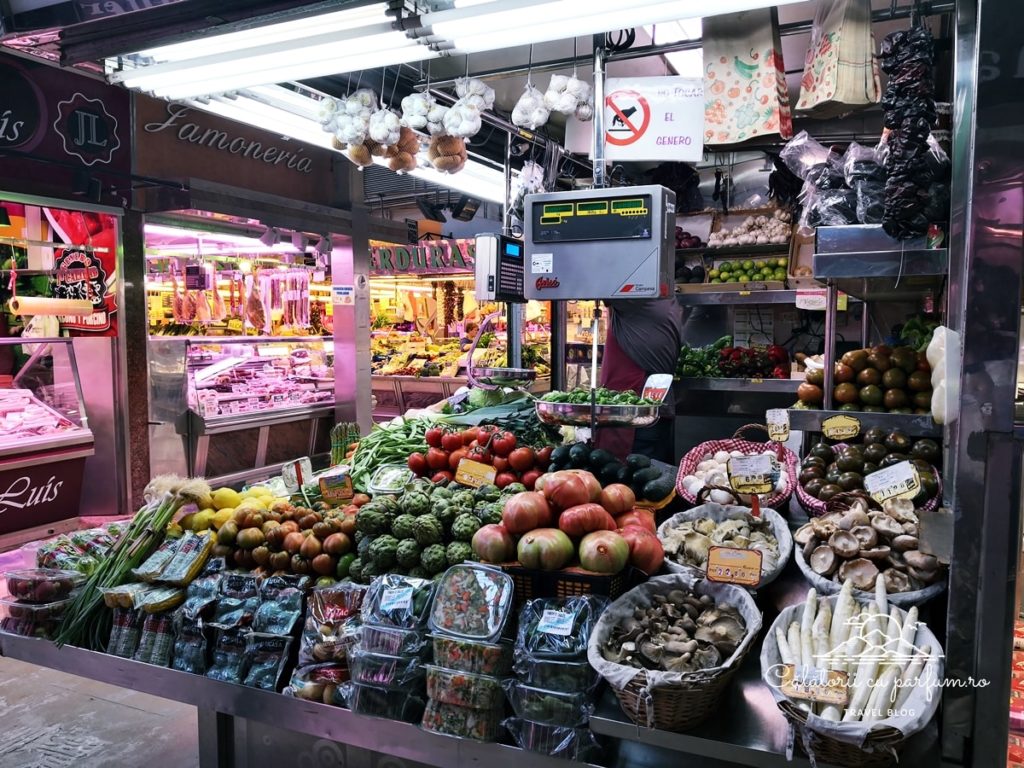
(504, 577)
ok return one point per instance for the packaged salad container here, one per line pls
(397, 601)
(379, 669)
(376, 701)
(556, 675)
(390, 479)
(469, 723)
(558, 628)
(548, 707)
(470, 656)
(42, 585)
(464, 689)
(393, 641)
(472, 602)
(553, 740)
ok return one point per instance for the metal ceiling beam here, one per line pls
(97, 40)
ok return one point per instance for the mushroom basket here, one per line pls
(670, 647)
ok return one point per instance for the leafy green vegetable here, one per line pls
(601, 396)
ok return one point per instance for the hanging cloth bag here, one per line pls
(745, 92)
(841, 68)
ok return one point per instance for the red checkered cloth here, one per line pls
(776, 501)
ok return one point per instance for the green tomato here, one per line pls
(780, 274)
(748, 265)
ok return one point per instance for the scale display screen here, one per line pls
(619, 218)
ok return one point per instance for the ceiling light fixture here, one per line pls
(324, 245)
(270, 237)
(430, 211)
(299, 241)
(465, 208)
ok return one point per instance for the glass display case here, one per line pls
(44, 433)
(238, 405)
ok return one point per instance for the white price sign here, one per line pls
(753, 474)
(777, 420)
(900, 481)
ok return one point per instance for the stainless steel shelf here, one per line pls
(914, 425)
(388, 737)
(736, 297)
(884, 275)
(752, 386)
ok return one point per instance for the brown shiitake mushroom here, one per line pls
(866, 535)
(925, 577)
(920, 561)
(804, 534)
(823, 527)
(861, 572)
(904, 543)
(886, 525)
(895, 560)
(809, 548)
(900, 510)
(854, 518)
(896, 581)
(876, 554)
(823, 561)
(845, 544)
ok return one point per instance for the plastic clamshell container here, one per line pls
(552, 740)
(390, 479)
(471, 656)
(556, 675)
(31, 619)
(379, 669)
(42, 585)
(393, 641)
(376, 701)
(464, 689)
(397, 601)
(472, 602)
(548, 707)
(466, 722)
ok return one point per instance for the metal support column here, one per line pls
(599, 162)
(558, 341)
(514, 327)
(831, 309)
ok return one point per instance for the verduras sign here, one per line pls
(425, 257)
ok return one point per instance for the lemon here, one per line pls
(186, 522)
(226, 497)
(254, 502)
(174, 530)
(202, 520)
(222, 516)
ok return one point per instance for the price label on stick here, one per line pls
(826, 686)
(729, 565)
(900, 481)
(753, 474)
(657, 385)
(474, 474)
(840, 427)
(777, 420)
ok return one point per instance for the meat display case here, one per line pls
(235, 409)
(44, 435)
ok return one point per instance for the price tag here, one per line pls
(777, 420)
(336, 485)
(729, 565)
(753, 474)
(840, 427)
(900, 481)
(396, 599)
(656, 386)
(474, 474)
(555, 623)
(814, 300)
(296, 474)
(827, 686)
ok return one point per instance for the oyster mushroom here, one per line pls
(876, 554)
(859, 505)
(845, 544)
(651, 652)
(861, 572)
(696, 547)
(708, 657)
(854, 518)
(679, 648)
(823, 561)
(810, 546)
(926, 577)
(866, 535)
(886, 525)
(896, 581)
(725, 633)
(910, 529)
(904, 543)
(920, 561)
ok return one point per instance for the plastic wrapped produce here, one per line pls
(317, 682)
(470, 656)
(377, 701)
(415, 108)
(467, 722)
(475, 92)
(397, 601)
(556, 675)
(548, 707)
(385, 127)
(380, 669)
(558, 628)
(393, 641)
(463, 689)
(552, 740)
(530, 110)
(472, 602)
(42, 585)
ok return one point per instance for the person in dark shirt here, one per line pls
(644, 337)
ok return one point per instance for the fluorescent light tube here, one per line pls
(474, 179)
(250, 112)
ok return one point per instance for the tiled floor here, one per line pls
(50, 719)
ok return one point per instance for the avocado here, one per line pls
(560, 455)
(644, 476)
(609, 473)
(637, 461)
(599, 457)
(579, 456)
(624, 475)
(657, 489)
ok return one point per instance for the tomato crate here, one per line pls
(569, 582)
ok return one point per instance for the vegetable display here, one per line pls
(603, 397)
(690, 542)
(878, 379)
(646, 481)
(388, 444)
(713, 469)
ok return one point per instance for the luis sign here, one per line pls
(426, 257)
(39, 494)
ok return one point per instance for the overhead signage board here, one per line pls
(654, 118)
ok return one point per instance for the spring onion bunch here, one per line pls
(86, 623)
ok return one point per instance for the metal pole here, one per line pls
(514, 334)
(599, 169)
(865, 324)
(558, 340)
(829, 353)
(506, 219)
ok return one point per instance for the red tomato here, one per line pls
(504, 478)
(503, 443)
(483, 432)
(529, 479)
(500, 463)
(418, 464)
(455, 458)
(468, 436)
(433, 437)
(481, 454)
(544, 456)
(451, 441)
(437, 459)
(521, 459)
(441, 476)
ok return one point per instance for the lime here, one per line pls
(782, 263)
(732, 279)
(760, 264)
(780, 274)
(717, 280)
(724, 267)
(748, 265)
(712, 273)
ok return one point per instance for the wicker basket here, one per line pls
(688, 465)
(567, 582)
(688, 699)
(873, 745)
